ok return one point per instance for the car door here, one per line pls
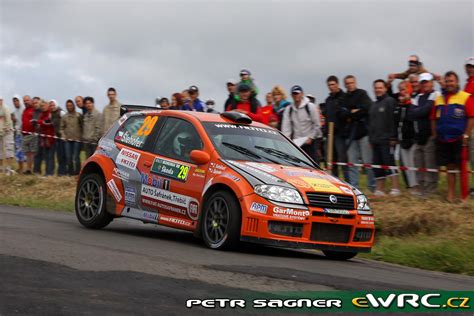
(170, 182)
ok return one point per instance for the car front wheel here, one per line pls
(90, 202)
(221, 221)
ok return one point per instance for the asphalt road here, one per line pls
(51, 265)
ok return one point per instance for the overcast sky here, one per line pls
(145, 49)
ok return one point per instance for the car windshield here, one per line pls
(249, 143)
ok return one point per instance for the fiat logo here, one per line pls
(333, 199)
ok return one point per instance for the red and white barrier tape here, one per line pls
(398, 168)
(349, 164)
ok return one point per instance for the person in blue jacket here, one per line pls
(194, 103)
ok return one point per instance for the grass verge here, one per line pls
(423, 233)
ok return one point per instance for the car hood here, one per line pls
(303, 179)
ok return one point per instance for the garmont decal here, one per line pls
(289, 213)
(128, 158)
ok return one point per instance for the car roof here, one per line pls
(200, 116)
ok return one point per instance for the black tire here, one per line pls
(90, 202)
(339, 255)
(221, 221)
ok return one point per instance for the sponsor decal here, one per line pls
(321, 185)
(367, 220)
(250, 128)
(159, 205)
(126, 138)
(130, 195)
(200, 173)
(103, 153)
(300, 173)
(346, 190)
(259, 208)
(261, 166)
(289, 213)
(299, 183)
(188, 204)
(122, 119)
(254, 171)
(114, 189)
(174, 220)
(170, 169)
(121, 174)
(193, 210)
(107, 145)
(334, 211)
(128, 158)
(154, 181)
(231, 176)
(140, 214)
(217, 166)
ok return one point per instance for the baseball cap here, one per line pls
(231, 81)
(244, 72)
(243, 87)
(16, 96)
(311, 97)
(470, 61)
(193, 89)
(296, 89)
(210, 101)
(426, 76)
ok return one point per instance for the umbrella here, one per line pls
(464, 172)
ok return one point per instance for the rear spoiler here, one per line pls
(125, 108)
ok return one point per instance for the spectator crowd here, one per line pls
(426, 124)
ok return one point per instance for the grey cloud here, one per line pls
(147, 49)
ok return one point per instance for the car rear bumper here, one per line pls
(301, 245)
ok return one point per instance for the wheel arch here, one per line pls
(93, 167)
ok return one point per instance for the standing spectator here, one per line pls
(71, 129)
(247, 103)
(210, 105)
(177, 101)
(469, 88)
(36, 114)
(452, 123)
(92, 127)
(383, 137)
(358, 104)
(6, 139)
(268, 109)
(164, 104)
(194, 103)
(80, 104)
(415, 66)
(19, 154)
(301, 120)
(406, 135)
(231, 88)
(46, 140)
(425, 147)
(58, 150)
(280, 102)
(334, 113)
(111, 110)
(30, 139)
(246, 79)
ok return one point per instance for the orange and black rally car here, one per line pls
(223, 177)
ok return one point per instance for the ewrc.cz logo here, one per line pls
(410, 300)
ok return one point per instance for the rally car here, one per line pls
(223, 177)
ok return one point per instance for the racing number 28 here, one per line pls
(147, 126)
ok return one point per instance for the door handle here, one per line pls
(147, 163)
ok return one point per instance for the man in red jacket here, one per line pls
(247, 103)
(30, 141)
(46, 149)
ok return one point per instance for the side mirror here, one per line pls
(200, 157)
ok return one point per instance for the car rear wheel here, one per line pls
(90, 202)
(339, 255)
(221, 221)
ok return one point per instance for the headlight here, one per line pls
(278, 193)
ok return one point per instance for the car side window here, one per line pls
(177, 139)
(135, 131)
